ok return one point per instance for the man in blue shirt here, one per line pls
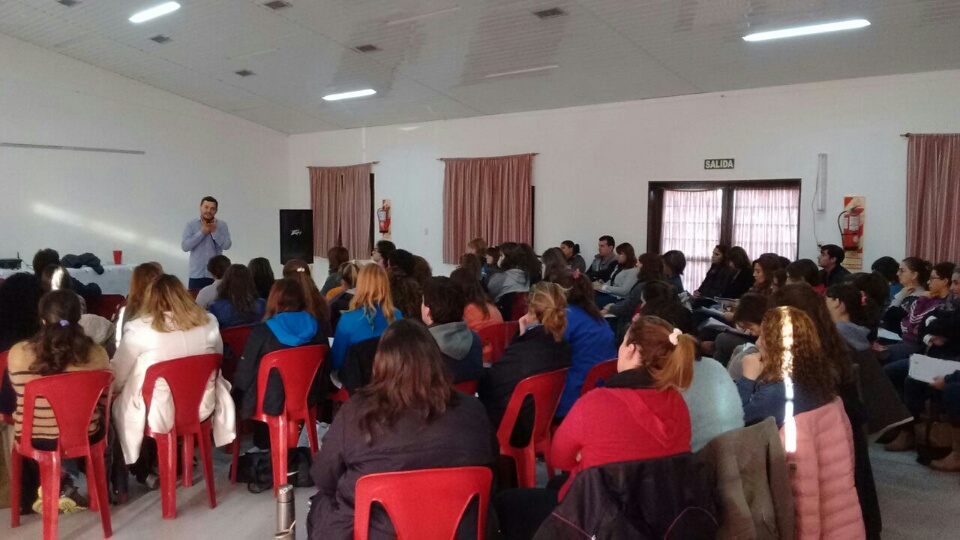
(204, 238)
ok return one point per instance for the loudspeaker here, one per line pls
(296, 235)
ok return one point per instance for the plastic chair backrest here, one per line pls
(236, 338)
(187, 378)
(495, 336)
(601, 371)
(5, 418)
(107, 306)
(404, 495)
(519, 306)
(467, 387)
(545, 389)
(73, 398)
(298, 368)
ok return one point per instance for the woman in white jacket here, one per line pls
(169, 325)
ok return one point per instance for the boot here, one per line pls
(951, 463)
(905, 441)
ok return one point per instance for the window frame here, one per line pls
(655, 205)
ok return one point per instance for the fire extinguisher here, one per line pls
(383, 217)
(850, 223)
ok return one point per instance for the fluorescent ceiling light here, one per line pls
(154, 12)
(348, 95)
(521, 71)
(808, 30)
(424, 16)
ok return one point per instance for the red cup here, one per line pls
(118, 257)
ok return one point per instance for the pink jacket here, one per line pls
(821, 475)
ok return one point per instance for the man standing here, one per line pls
(204, 238)
(605, 262)
(830, 258)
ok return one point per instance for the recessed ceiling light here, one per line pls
(154, 12)
(277, 4)
(521, 71)
(161, 39)
(422, 16)
(349, 95)
(68, 3)
(550, 13)
(244, 73)
(369, 47)
(808, 30)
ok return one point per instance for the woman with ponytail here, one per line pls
(59, 347)
(640, 413)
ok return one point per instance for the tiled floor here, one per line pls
(917, 504)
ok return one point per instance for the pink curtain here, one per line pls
(486, 198)
(341, 200)
(765, 221)
(933, 197)
(691, 224)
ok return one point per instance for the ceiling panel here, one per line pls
(435, 57)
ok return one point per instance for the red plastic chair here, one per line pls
(73, 398)
(406, 495)
(236, 337)
(497, 336)
(545, 389)
(107, 306)
(601, 371)
(298, 368)
(519, 306)
(467, 387)
(187, 378)
(6, 418)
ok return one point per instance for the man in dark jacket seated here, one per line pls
(442, 311)
(46, 257)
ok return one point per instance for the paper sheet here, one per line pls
(925, 369)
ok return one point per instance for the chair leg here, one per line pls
(50, 485)
(16, 485)
(278, 451)
(93, 504)
(167, 454)
(206, 456)
(235, 450)
(99, 474)
(186, 456)
(312, 430)
(526, 467)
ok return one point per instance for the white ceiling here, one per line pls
(434, 68)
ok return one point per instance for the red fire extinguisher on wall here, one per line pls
(850, 223)
(383, 217)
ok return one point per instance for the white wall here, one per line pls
(80, 201)
(595, 162)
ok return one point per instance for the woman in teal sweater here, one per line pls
(371, 312)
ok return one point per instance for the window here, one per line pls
(693, 217)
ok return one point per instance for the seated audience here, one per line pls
(299, 270)
(763, 274)
(874, 285)
(571, 252)
(779, 279)
(170, 325)
(623, 278)
(589, 336)
(407, 418)
(730, 346)
(718, 276)
(741, 278)
(478, 248)
(660, 300)
(651, 269)
(478, 312)
(217, 266)
(492, 261)
(382, 251)
(674, 262)
(336, 256)
(263, 276)
(941, 331)
(531, 263)
(831, 257)
(854, 313)
(922, 307)
(473, 264)
(640, 413)
(371, 310)
(539, 348)
(287, 323)
(46, 257)
(515, 276)
(142, 276)
(442, 312)
(888, 267)
(59, 347)
(554, 265)
(99, 329)
(405, 290)
(237, 300)
(604, 263)
(913, 274)
(340, 303)
(805, 271)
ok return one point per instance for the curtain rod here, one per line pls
(339, 166)
(493, 157)
(917, 134)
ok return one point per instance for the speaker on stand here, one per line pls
(296, 235)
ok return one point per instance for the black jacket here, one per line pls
(338, 305)
(261, 342)
(838, 275)
(532, 353)
(666, 498)
(357, 370)
(946, 325)
(715, 281)
(460, 437)
(738, 285)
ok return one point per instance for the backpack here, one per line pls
(256, 469)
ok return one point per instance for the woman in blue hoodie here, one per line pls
(287, 323)
(371, 312)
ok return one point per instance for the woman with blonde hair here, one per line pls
(169, 325)
(540, 348)
(371, 310)
(142, 276)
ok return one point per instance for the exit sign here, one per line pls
(718, 163)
